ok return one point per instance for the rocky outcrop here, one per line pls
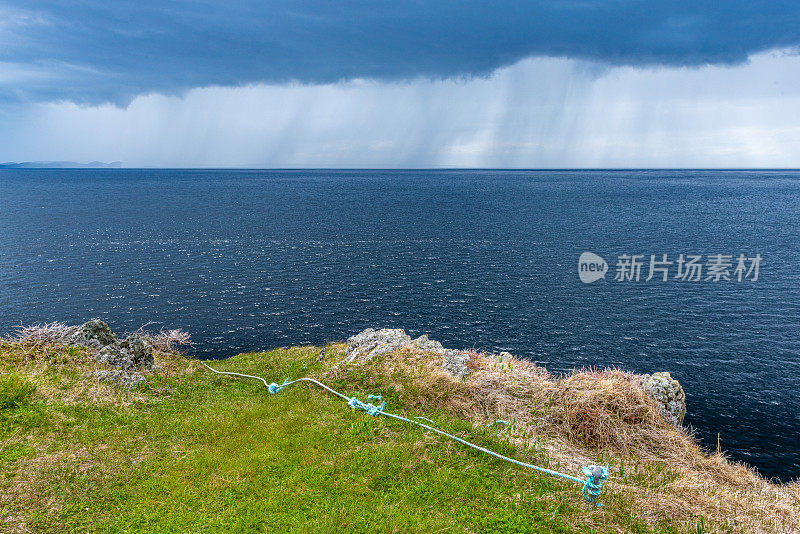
(425, 344)
(93, 334)
(130, 353)
(668, 393)
(126, 356)
(455, 363)
(369, 343)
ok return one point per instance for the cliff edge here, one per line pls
(108, 433)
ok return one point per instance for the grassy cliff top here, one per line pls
(191, 451)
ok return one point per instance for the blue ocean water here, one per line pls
(249, 260)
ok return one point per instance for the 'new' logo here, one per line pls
(591, 267)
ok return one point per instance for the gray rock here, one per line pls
(130, 353)
(668, 393)
(370, 343)
(94, 334)
(425, 344)
(455, 363)
(123, 377)
(140, 350)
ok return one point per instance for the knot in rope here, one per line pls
(368, 407)
(595, 476)
(274, 388)
(499, 422)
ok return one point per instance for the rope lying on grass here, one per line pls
(595, 475)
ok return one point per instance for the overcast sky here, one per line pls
(401, 84)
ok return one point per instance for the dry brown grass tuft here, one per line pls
(45, 333)
(167, 341)
(658, 470)
(605, 409)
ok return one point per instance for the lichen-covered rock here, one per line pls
(130, 353)
(369, 343)
(669, 393)
(120, 376)
(93, 334)
(455, 363)
(425, 344)
(140, 350)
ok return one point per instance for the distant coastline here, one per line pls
(60, 165)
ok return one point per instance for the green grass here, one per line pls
(206, 453)
(15, 391)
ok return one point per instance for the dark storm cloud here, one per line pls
(94, 51)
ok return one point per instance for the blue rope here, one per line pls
(370, 408)
(595, 475)
(425, 419)
(592, 487)
(499, 422)
(275, 388)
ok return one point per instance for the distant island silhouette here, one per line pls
(60, 165)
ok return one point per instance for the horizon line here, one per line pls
(14, 167)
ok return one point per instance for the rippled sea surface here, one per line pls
(249, 260)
